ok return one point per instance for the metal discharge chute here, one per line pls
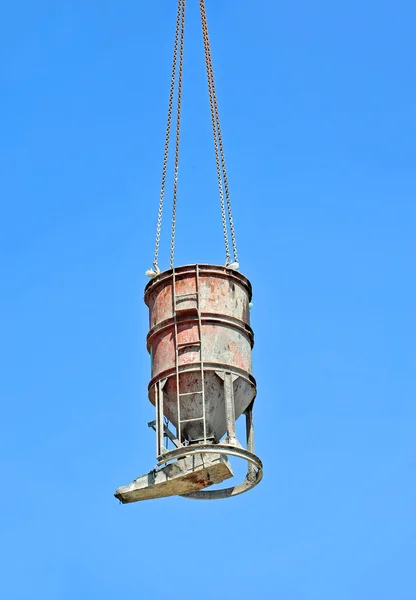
(200, 342)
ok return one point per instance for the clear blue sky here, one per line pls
(318, 108)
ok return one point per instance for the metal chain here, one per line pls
(217, 135)
(178, 131)
(214, 128)
(218, 140)
(167, 139)
(224, 173)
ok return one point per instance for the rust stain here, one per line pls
(225, 340)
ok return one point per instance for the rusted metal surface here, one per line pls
(200, 341)
(194, 322)
(223, 292)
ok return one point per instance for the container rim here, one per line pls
(183, 270)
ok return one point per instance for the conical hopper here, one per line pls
(199, 331)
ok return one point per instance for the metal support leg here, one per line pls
(160, 426)
(251, 472)
(229, 409)
(157, 421)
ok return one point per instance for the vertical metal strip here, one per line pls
(251, 472)
(229, 408)
(178, 398)
(201, 353)
(159, 417)
(156, 388)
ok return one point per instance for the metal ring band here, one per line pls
(224, 449)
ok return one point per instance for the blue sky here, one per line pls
(318, 110)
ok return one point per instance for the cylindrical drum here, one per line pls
(199, 332)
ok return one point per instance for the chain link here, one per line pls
(224, 173)
(167, 139)
(217, 135)
(214, 128)
(218, 140)
(178, 132)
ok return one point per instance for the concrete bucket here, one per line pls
(200, 342)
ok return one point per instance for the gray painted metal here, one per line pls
(186, 475)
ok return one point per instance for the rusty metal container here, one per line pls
(200, 342)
